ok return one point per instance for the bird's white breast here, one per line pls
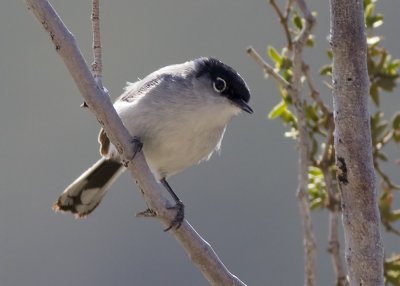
(176, 134)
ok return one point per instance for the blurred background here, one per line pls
(242, 201)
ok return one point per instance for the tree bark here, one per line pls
(355, 171)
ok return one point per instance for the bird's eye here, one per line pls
(219, 85)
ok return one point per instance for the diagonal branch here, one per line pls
(199, 251)
(268, 69)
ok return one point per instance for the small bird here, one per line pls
(179, 113)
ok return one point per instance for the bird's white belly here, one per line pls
(179, 151)
(176, 138)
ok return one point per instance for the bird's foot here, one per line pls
(137, 147)
(179, 217)
(147, 213)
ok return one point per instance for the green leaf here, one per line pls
(374, 93)
(314, 171)
(382, 61)
(396, 136)
(392, 270)
(286, 64)
(376, 117)
(326, 70)
(287, 74)
(386, 82)
(316, 203)
(395, 216)
(393, 66)
(311, 112)
(298, 22)
(277, 110)
(314, 148)
(373, 40)
(274, 55)
(369, 9)
(396, 121)
(310, 41)
(374, 21)
(377, 22)
(316, 188)
(288, 118)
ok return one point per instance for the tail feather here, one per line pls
(83, 195)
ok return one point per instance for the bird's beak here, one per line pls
(244, 106)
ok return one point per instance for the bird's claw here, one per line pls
(147, 213)
(179, 217)
(137, 147)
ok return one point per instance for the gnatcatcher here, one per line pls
(179, 113)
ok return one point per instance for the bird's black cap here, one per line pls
(236, 89)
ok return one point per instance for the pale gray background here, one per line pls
(242, 201)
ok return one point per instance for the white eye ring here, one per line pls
(219, 85)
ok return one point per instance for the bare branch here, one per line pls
(283, 19)
(334, 249)
(200, 252)
(385, 178)
(304, 146)
(328, 154)
(353, 146)
(314, 92)
(310, 20)
(288, 7)
(333, 236)
(97, 65)
(334, 201)
(267, 68)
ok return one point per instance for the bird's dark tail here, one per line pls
(86, 192)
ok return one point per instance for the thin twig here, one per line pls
(310, 19)
(334, 249)
(267, 68)
(328, 156)
(304, 146)
(200, 252)
(288, 7)
(314, 92)
(283, 19)
(333, 236)
(97, 65)
(385, 177)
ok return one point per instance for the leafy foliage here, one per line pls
(392, 270)
(316, 188)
